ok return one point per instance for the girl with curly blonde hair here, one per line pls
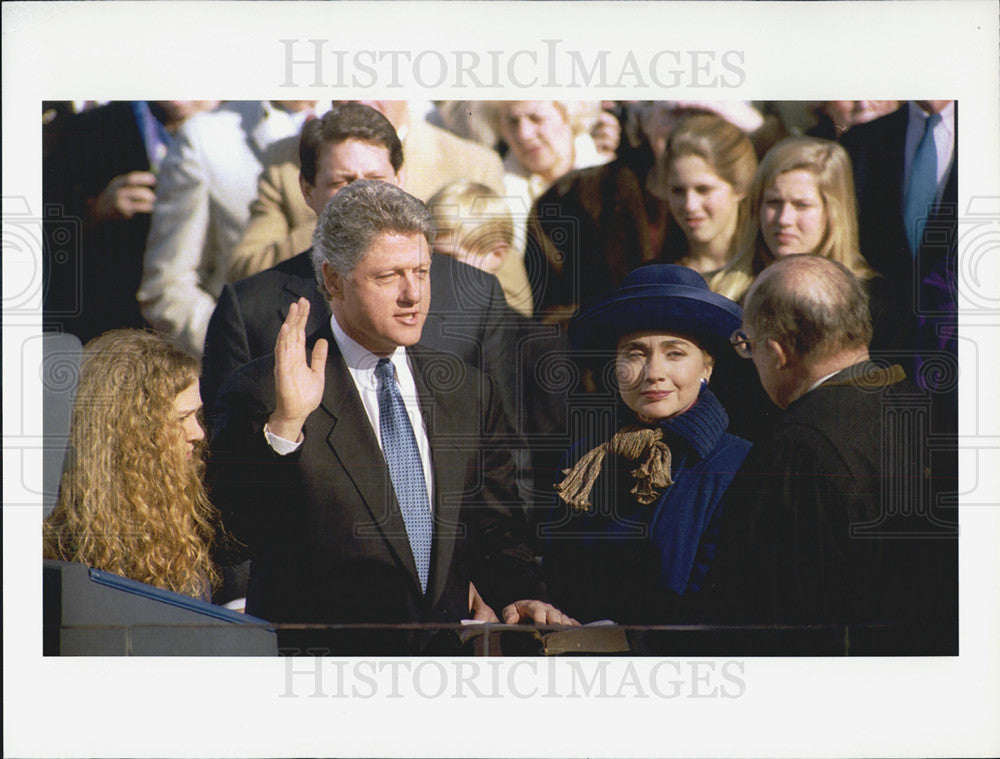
(131, 500)
(802, 201)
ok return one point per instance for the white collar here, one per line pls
(358, 357)
(919, 115)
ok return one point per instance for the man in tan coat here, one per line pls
(281, 224)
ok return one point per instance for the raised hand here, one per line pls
(607, 133)
(124, 197)
(298, 381)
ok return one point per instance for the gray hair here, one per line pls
(813, 306)
(356, 216)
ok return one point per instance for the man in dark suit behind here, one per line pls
(304, 468)
(468, 319)
(913, 248)
(833, 519)
(101, 172)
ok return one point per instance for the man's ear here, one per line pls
(333, 281)
(307, 189)
(782, 356)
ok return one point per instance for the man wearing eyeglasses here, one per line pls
(834, 521)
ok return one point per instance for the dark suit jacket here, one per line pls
(925, 285)
(469, 319)
(834, 519)
(590, 229)
(329, 541)
(92, 278)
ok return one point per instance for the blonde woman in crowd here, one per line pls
(546, 139)
(474, 225)
(131, 500)
(706, 174)
(802, 201)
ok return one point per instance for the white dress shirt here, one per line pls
(361, 364)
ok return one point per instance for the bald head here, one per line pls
(813, 306)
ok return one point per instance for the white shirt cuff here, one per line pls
(279, 445)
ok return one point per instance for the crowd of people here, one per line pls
(407, 364)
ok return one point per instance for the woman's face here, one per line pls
(792, 214)
(186, 406)
(659, 374)
(539, 135)
(703, 203)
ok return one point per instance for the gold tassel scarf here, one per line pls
(634, 443)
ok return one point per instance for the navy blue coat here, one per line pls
(631, 563)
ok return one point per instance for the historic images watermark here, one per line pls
(548, 64)
(321, 677)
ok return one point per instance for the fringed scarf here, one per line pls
(633, 443)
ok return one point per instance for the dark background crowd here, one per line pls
(208, 227)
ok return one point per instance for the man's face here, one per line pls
(383, 303)
(344, 162)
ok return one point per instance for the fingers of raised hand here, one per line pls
(320, 350)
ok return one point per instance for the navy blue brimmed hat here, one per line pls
(657, 297)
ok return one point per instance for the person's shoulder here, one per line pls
(446, 270)
(297, 269)
(732, 446)
(827, 419)
(890, 126)
(254, 378)
(283, 151)
(104, 120)
(445, 140)
(592, 181)
(229, 118)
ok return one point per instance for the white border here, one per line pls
(883, 707)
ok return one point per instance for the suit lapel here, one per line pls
(355, 446)
(449, 476)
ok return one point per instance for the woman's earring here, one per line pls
(704, 384)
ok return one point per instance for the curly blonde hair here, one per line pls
(131, 500)
(831, 166)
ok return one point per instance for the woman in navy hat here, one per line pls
(633, 530)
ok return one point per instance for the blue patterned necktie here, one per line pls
(922, 190)
(405, 468)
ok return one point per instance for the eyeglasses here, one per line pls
(742, 343)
